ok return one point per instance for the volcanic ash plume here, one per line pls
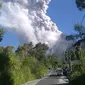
(29, 20)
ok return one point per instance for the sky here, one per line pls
(63, 12)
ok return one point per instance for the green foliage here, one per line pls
(77, 76)
(20, 66)
(13, 71)
(74, 54)
(80, 29)
(40, 70)
(40, 51)
(37, 51)
(1, 34)
(53, 60)
(25, 50)
(78, 69)
(79, 35)
(80, 4)
(77, 52)
(80, 80)
(5, 75)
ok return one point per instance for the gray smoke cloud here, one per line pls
(29, 20)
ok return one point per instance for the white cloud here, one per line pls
(29, 20)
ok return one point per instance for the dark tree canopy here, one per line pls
(79, 36)
(80, 4)
(1, 34)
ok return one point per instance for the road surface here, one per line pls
(50, 79)
(53, 79)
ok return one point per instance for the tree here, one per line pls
(25, 50)
(40, 50)
(1, 49)
(79, 37)
(80, 4)
(53, 61)
(78, 69)
(79, 28)
(9, 50)
(1, 34)
(1, 30)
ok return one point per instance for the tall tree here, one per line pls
(1, 34)
(40, 50)
(1, 30)
(79, 36)
(80, 4)
(25, 50)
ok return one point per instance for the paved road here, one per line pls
(53, 79)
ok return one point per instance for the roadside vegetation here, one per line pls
(27, 63)
(75, 55)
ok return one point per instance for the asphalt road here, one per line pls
(53, 79)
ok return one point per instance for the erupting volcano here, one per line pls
(29, 20)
